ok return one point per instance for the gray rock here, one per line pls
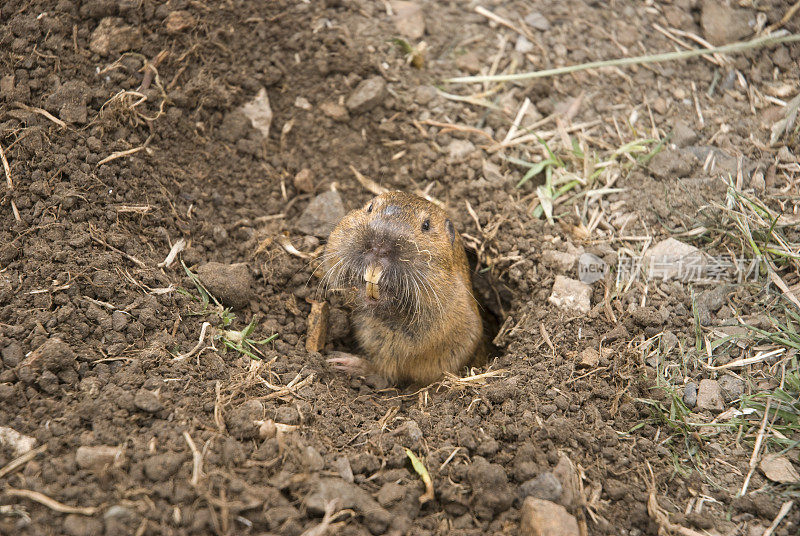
(545, 486)
(669, 341)
(682, 134)
(544, 518)
(409, 20)
(469, 62)
(97, 457)
(232, 284)
(709, 396)
(537, 21)
(723, 24)
(668, 259)
(523, 46)
(367, 95)
(690, 395)
(321, 215)
(732, 387)
(571, 294)
(458, 150)
(147, 401)
(425, 94)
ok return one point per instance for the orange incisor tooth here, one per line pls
(372, 276)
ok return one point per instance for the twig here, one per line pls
(102, 242)
(756, 450)
(51, 503)
(788, 15)
(197, 460)
(18, 462)
(784, 509)
(638, 60)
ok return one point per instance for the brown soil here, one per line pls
(81, 266)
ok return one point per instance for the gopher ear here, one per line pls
(450, 230)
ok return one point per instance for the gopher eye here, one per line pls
(369, 208)
(426, 225)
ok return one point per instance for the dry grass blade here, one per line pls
(176, 248)
(756, 450)
(6, 168)
(198, 346)
(784, 509)
(473, 380)
(51, 503)
(197, 460)
(286, 244)
(660, 516)
(369, 184)
(290, 388)
(446, 127)
(120, 154)
(638, 60)
(745, 361)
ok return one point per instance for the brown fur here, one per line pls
(426, 321)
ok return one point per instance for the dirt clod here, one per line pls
(545, 486)
(232, 284)
(113, 36)
(147, 401)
